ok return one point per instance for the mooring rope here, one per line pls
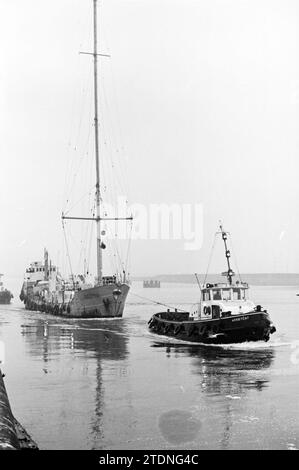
(156, 302)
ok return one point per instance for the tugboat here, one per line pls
(5, 295)
(223, 315)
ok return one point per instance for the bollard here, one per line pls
(8, 433)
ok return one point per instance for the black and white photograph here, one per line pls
(149, 240)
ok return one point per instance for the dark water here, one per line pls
(110, 384)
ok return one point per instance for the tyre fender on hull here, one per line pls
(192, 330)
(177, 329)
(272, 328)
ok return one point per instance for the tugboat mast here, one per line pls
(230, 273)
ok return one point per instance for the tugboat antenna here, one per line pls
(230, 273)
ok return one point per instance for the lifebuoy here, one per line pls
(272, 328)
(207, 310)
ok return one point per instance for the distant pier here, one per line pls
(12, 434)
(152, 283)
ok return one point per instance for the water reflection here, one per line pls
(217, 365)
(105, 339)
(93, 342)
(225, 377)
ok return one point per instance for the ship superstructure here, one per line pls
(5, 294)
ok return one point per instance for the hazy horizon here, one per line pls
(198, 105)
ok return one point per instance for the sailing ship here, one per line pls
(44, 289)
(223, 315)
(5, 295)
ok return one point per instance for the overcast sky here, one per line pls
(199, 101)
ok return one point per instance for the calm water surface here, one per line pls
(110, 384)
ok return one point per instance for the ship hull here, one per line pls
(5, 298)
(254, 326)
(106, 301)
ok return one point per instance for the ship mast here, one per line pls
(230, 273)
(98, 217)
(96, 134)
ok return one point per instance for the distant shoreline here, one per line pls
(262, 279)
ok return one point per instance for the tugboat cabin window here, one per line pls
(226, 294)
(206, 295)
(239, 294)
(216, 294)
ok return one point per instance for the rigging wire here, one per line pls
(67, 250)
(210, 258)
(118, 255)
(69, 161)
(90, 237)
(74, 143)
(129, 248)
(79, 200)
(124, 159)
(235, 258)
(109, 139)
(109, 173)
(73, 182)
(112, 167)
